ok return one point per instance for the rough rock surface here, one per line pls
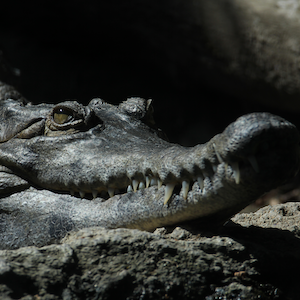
(257, 257)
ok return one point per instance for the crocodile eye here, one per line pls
(67, 117)
(62, 115)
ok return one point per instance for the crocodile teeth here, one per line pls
(219, 157)
(82, 194)
(185, 188)
(236, 172)
(200, 182)
(253, 163)
(95, 194)
(135, 184)
(147, 181)
(159, 183)
(153, 181)
(168, 192)
(226, 166)
(129, 189)
(141, 185)
(111, 192)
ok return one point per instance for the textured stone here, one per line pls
(240, 262)
(282, 216)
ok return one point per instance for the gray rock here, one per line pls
(255, 257)
(281, 216)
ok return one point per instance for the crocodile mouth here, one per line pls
(252, 168)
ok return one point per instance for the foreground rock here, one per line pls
(260, 259)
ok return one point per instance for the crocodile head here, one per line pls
(116, 153)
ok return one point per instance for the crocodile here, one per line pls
(68, 166)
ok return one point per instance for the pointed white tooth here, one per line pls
(168, 192)
(82, 194)
(219, 157)
(141, 185)
(111, 192)
(135, 184)
(226, 166)
(129, 188)
(95, 194)
(236, 172)
(200, 182)
(159, 183)
(185, 188)
(153, 182)
(253, 163)
(147, 181)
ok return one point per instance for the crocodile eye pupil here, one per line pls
(62, 116)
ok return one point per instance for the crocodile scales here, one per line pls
(69, 166)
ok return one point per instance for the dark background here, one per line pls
(115, 50)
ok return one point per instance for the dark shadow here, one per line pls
(276, 251)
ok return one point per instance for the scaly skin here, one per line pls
(101, 150)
